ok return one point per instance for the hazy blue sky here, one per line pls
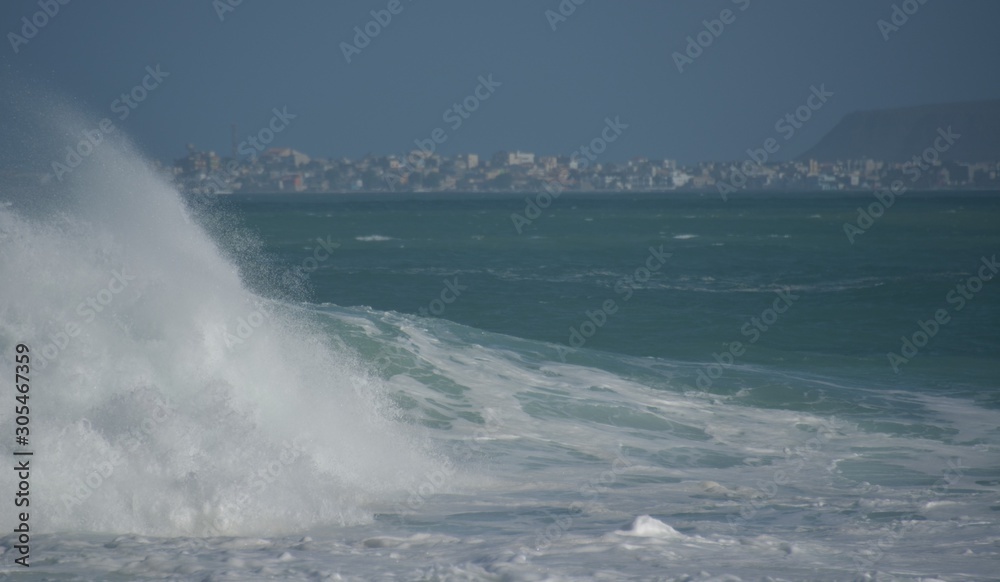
(557, 86)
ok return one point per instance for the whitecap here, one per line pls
(649, 527)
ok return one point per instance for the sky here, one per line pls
(556, 70)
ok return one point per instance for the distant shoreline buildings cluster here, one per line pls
(279, 170)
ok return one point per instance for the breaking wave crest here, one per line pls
(167, 398)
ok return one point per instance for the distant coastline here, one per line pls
(577, 195)
(281, 170)
(950, 146)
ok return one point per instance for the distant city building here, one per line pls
(291, 183)
(286, 155)
(521, 159)
(196, 162)
(548, 163)
(680, 178)
(513, 159)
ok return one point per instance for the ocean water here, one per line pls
(654, 387)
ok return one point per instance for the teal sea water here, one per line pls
(649, 387)
(850, 297)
